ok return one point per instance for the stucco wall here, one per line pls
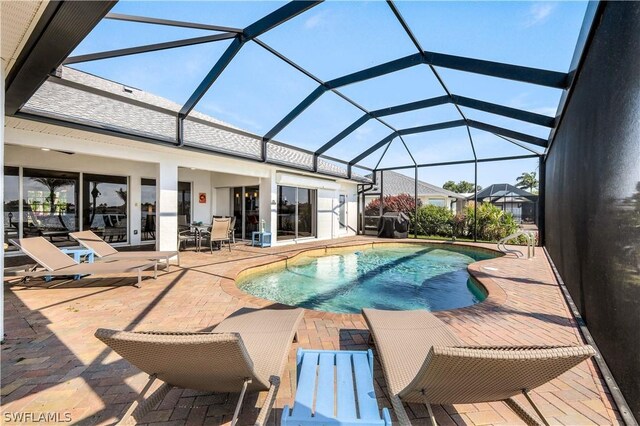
(208, 174)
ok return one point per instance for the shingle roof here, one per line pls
(396, 183)
(498, 190)
(67, 100)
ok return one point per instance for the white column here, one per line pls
(167, 207)
(268, 206)
(2, 64)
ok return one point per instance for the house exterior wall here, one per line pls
(209, 174)
(594, 239)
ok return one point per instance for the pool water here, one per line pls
(399, 278)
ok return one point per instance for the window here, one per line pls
(105, 206)
(437, 202)
(342, 211)
(50, 201)
(184, 200)
(296, 213)
(251, 210)
(148, 209)
(11, 205)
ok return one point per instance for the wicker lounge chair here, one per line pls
(247, 351)
(424, 362)
(106, 252)
(57, 263)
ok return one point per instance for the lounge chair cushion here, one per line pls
(94, 242)
(105, 251)
(45, 253)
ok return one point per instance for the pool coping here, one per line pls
(479, 270)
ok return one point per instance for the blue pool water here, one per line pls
(400, 278)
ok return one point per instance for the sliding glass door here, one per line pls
(296, 213)
(50, 204)
(251, 210)
(104, 204)
(148, 209)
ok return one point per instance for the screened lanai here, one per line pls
(327, 99)
(336, 88)
(247, 97)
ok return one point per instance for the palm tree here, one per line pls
(53, 184)
(527, 181)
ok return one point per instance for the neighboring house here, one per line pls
(522, 204)
(395, 183)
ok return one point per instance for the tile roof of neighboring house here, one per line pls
(396, 183)
(67, 100)
(498, 190)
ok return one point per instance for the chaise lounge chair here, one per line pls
(425, 363)
(57, 263)
(247, 351)
(106, 252)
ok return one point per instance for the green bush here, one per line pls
(435, 220)
(493, 222)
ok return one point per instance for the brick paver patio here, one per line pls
(51, 363)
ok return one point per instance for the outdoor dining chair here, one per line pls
(219, 233)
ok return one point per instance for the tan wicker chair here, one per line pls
(106, 252)
(248, 351)
(424, 362)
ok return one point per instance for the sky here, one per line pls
(335, 38)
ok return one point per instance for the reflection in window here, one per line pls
(184, 200)
(50, 204)
(148, 209)
(105, 206)
(296, 213)
(286, 212)
(251, 210)
(11, 205)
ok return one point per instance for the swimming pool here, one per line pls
(398, 277)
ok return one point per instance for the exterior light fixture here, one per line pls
(45, 149)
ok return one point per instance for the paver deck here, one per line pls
(51, 363)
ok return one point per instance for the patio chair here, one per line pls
(57, 263)
(248, 351)
(186, 233)
(425, 363)
(232, 230)
(106, 252)
(219, 232)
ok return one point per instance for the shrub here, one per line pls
(435, 220)
(493, 222)
(404, 203)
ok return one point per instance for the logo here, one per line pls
(32, 417)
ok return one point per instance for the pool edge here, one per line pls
(495, 294)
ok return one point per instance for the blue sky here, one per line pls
(336, 38)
